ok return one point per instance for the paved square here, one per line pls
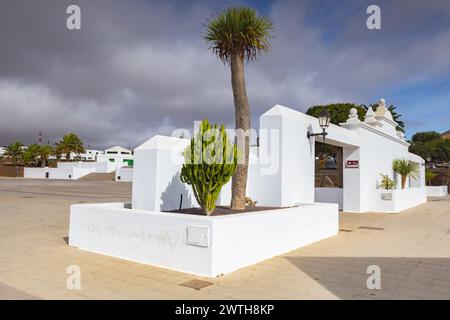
(412, 250)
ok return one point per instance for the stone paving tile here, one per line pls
(10, 293)
(412, 252)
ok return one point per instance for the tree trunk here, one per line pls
(404, 182)
(242, 124)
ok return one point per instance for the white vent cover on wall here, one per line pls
(197, 236)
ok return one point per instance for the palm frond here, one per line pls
(406, 168)
(238, 31)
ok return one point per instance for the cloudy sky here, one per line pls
(141, 67)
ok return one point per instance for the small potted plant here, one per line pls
(386, 182)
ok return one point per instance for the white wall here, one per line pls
(77, 173)
(124, 174)
(437, 191)
(330, 195)
(60, 174)
(99, 167)
(377, 154)
(283, 172)
(118, 159)
(352, 200)
(401, 199)
(228, 243)
(34, 173)
(156, 181)
(65, 173)
(294, 154)
(245, 239)
(380, 146)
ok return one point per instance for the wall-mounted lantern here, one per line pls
(324, 123)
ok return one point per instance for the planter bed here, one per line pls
(395, 201)
(222, 211)
(201, 245)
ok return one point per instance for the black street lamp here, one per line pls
(324, 123)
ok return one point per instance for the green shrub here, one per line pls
(386, 182)
(429, 176)
(210, 162)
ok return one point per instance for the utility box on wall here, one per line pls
(197, 236)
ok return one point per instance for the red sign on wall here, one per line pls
(352, 164)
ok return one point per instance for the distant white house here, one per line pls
(117, 150)
(121, 157)
(92, 161)
(88, 155)
(2, 151)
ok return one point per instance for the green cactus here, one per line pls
(210, 162)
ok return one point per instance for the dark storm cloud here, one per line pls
(139, 67)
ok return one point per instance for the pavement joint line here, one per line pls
(371, 228)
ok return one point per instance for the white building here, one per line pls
(121, 157)
(281, 174)
(90, 155)
(281, 171)
(93, 161)
(2, 151)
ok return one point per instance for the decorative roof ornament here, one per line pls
(370, 117)
(353, 116)
(401, 135)
(381, 109)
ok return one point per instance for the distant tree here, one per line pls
(397, 118)
(426, 136)
(58, 151)
(429, 176)
(430, 146)
(14, 151)
(440, 151)
(29, 156)
(45, 151)
(339, 111)
(70, 143)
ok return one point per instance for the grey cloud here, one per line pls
(139, 67)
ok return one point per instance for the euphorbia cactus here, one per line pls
(210, 162)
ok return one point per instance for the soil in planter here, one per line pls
(221, 211)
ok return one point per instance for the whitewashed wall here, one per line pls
(156, 180)
(206, 246)
(394, 201)
(330, 195)
(124, 174)
(437, 191)
(78, 173)
(100, 167)
(66, 173)
(282, 174)
(34, 173)
(118, 159)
